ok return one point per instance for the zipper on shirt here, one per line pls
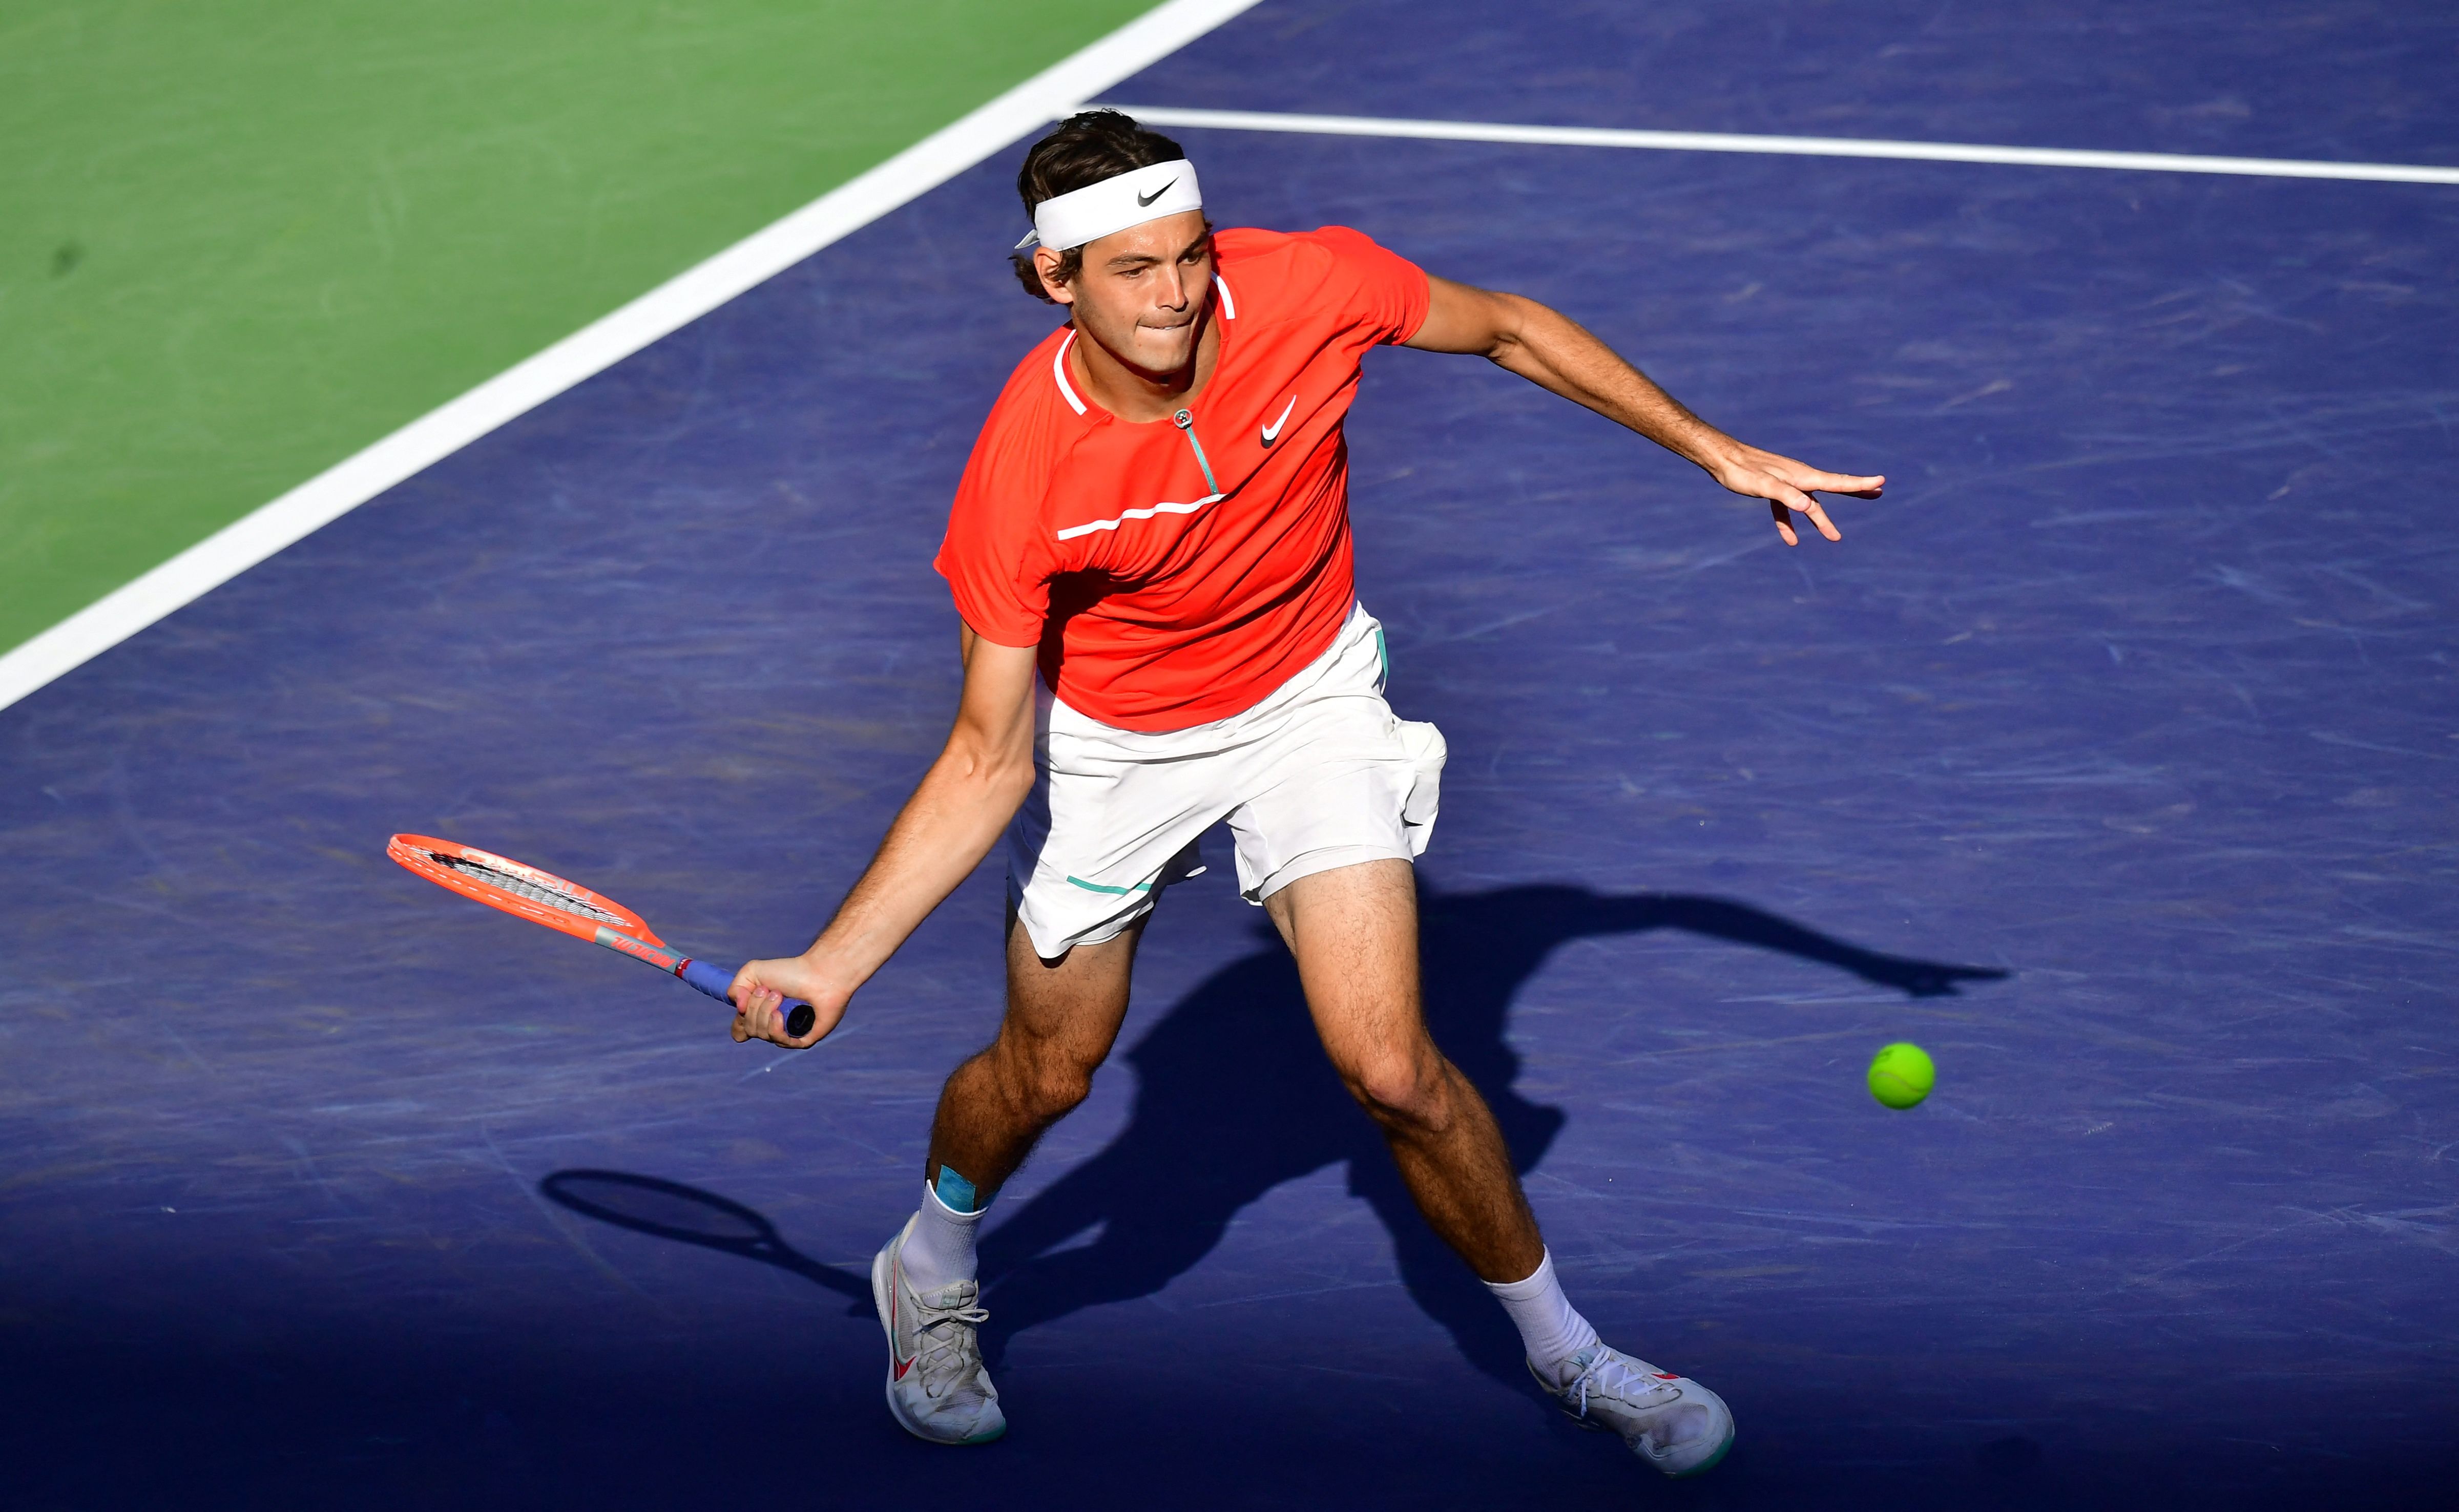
(1186, 422)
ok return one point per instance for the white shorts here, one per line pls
(1318, 775)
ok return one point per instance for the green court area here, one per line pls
(241, 240)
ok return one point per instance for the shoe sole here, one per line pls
(895, 1406)
(1709, 1463)
(1697, 1470)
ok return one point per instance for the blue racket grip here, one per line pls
(714, 980)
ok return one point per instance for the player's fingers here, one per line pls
(1803, 503)
(768, 1014)
(778, 1029)
(1843, 483)
(751, 1011)
(1783, 522)
(1801, 474)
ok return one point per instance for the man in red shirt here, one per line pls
(1150, 555)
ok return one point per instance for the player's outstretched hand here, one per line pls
(759, 994)
(1787, 486)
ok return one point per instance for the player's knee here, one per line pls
(1400, 1086)
(1056, 1093)
(1048, 1087)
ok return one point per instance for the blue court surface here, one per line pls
(2110, 757)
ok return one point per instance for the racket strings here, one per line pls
(529, 887)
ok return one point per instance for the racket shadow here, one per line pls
(667, 1209)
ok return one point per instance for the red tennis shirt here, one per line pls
(1174, 574)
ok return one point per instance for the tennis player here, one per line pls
(1150, 553)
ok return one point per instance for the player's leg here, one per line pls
(1061, 1019)
(1354, 931)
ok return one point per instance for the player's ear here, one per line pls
(1048, 264)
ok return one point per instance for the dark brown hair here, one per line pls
(1087, 148)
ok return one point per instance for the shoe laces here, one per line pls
(948, 1359)
(1613, 1374)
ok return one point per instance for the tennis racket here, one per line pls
(544, 899)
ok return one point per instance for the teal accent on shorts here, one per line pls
(1383, 653)
(954, 1190)
(1114, 892)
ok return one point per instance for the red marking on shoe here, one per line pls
(895, 1296)
(1667, 1376)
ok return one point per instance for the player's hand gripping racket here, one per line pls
(544, 899)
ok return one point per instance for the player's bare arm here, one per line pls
(1557, 354)
(959, 810)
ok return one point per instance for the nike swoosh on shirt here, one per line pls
(1145, 201)
(1273, 431)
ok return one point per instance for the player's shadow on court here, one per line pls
(1234, 1098)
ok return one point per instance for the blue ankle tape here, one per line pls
(954, 1190)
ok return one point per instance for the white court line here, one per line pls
(1793, 146)
(688, 296)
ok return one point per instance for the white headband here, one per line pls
(1130, 199)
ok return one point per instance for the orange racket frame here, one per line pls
(574, 910)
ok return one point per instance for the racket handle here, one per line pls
(714, 980)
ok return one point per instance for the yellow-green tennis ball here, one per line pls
(1902, 1075)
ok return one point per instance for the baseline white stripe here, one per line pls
(1794, 146)
(688, 296)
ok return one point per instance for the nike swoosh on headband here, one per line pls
(1117, 204)
(1273, 431)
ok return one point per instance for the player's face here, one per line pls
(1141, 292)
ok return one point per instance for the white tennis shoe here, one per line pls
(1671, 1421)
(936, 1387)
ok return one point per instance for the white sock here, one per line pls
(1549, 1330)
(939, 1244)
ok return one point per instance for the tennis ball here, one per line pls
(1902, 1075)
